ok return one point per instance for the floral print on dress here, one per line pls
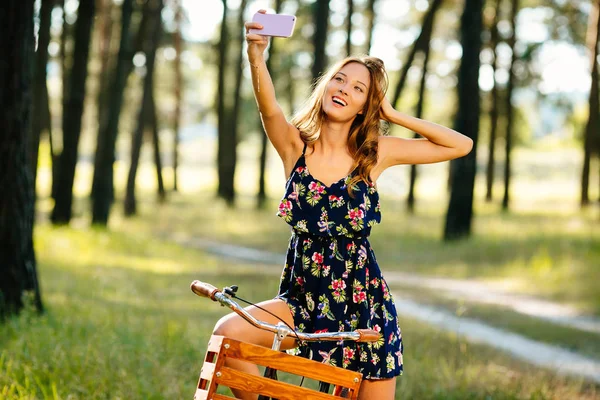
(316, 191)
(331, 280)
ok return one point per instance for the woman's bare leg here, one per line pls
(235, 327)
(380, 389)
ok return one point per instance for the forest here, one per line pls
(133, 160)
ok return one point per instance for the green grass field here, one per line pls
(121, 322)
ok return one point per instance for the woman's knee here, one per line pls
(383, 389)
(230, 326)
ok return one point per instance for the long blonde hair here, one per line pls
(365, 129)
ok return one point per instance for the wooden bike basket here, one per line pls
(214, 373)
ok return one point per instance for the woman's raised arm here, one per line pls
(439, 143)
(283, 135)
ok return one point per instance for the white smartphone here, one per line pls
(279, 25)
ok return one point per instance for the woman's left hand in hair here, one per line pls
(386, 109)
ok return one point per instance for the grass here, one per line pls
(121, 323)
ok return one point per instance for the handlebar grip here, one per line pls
(204, 289)
(368, 335)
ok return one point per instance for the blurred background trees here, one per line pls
(323, 26)
(110, 76)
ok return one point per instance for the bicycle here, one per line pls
(214, 373)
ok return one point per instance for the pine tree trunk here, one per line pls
(509, 108)
(494, 113)
(370, 15)
(104, 30)
(228, 141)
(102, 186)
(592, 127)
(410, 201)
(291, 86)
(64, 71)
(349, 27)
(460, 209)
(222, 111)
(422, 45)
(18, 275)
(40, 88)
(73, 113)
(178, 88)
(321, 19)
(419, 44)
(150, 46)
(162, 195)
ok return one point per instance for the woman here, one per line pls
(333, 153)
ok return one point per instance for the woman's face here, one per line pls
(346, 93)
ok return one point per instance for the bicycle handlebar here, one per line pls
(368, 335)
(204, 289)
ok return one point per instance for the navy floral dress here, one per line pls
(331, 280)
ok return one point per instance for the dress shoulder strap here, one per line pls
(304, 149)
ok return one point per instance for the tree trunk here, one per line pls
(150, 46)
(592, 127)
(291, 86)
(422, 45)
(64, 71)
(105, 20)
(418, 45)
(370, 15)
(460, 208)
(321, 19)
(349, 27)
(178, 88)
(102, 186)
(65, 37)
(18, 275)
(509, 108)
(162, 195)
(410, 201)
(73, 113)
(228, 143)
(223, 190)
(40, 88)
(494, 39)
(262, 193)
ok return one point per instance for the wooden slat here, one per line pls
(207, 371)
(222, 397)
(260, 385)
(292, 364)
(214, 344)
(201, 394)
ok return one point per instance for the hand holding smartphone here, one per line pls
(279, 25)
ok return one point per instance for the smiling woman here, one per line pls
(331, 280)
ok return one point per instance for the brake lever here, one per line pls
(230, 290)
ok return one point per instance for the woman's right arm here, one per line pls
(283, 135)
